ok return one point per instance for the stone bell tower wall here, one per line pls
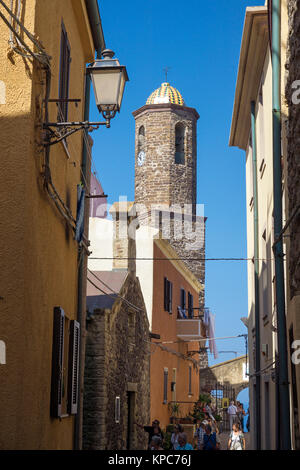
(160, 180)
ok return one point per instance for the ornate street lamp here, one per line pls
(109, 79)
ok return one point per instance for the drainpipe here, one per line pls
(284, 402)
(96, 26)
(256, 283)
(99, 43)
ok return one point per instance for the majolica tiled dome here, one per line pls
(165, 94)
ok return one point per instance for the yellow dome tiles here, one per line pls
(165, 94)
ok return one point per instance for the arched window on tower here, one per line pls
(141, 139)
(179, 143)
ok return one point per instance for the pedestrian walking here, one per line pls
(213, 425)
(199, 434)
(232, 413)
(210, 439)
(156, 443)
(174, 438)
(240, 414)
(183, 443)
(153, 430)
(248, 420)
(236, 438)
(208, 410)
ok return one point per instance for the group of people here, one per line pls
(236, 414)
(206, 436)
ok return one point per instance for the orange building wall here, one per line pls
(164, 324)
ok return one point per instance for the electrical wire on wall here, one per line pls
(18, 45)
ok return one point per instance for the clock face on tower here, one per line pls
(141, 158)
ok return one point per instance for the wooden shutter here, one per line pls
(165, 386)
(183, 299)
(73, 370)
(165, 294)
(57, 362)
(170, 297)
(190, 305)
(64, 74)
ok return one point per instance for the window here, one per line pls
(165, 386)
(190, 305)
(182, 299)
(173, 385)
(168, 295)
(190, 380)
(65, 365)
(141, 139)
(179, 144)
(64, 75)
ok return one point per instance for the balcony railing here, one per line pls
(189, 325)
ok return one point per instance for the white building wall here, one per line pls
(101, 238)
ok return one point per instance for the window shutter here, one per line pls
(165, 294)
(64, 74)
(170, 297)
(183, 302)
(57, 362)
(190, 305)
(165, 386)
(73, 370)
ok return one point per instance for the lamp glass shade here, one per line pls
(106, 83)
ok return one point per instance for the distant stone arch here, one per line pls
(2, 92)
(229, 374)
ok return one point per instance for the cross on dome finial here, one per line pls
(166, 70)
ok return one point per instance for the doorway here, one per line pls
(130, 420)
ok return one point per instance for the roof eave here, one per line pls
(252, 57)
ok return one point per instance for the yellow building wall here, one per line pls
(39, 254)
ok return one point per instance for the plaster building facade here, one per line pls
(292, 167)
(252, 130)
(40, 288)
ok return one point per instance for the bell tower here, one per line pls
(166, 150)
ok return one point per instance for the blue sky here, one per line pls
(200, 42)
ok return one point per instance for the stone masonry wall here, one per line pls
(293, 157)
(160, 180)
(117, 359)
